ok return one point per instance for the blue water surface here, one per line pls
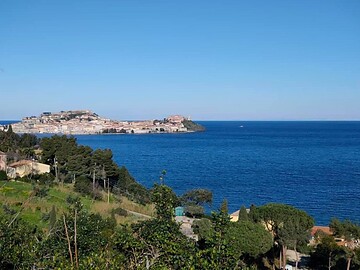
(314, 166)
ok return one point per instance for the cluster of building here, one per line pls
(87, 122)
(22, 168)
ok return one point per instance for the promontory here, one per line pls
(88, 122)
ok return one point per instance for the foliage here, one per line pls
(197, 197)
(203, 228)
(70, 160)
(165, 201)
(18, 244)
(119, 211)
(243, 215)
(83, 185)
(351, 232)
(346, 229)
(327, 254)
(248, 239)
(127, 186)
(12, 142)
(195, 200)
(195, 211)
(289, 226)
(3, 176)
(192, 126)
(163, 243)
(44, 179)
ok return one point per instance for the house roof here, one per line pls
(20, 163)
(324, 229)
(2, 153)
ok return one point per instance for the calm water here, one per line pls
(314, 166)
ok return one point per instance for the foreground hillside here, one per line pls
(35, 202)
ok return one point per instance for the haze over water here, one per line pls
(314, 166)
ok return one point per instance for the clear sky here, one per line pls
(211, 60)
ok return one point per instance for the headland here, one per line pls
(87, 122)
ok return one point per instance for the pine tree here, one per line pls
(243, 215)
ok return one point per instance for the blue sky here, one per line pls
(211, 60)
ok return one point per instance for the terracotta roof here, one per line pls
(20, 163)
(324, 229)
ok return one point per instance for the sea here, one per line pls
(312, 165)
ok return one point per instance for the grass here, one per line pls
(16, 196)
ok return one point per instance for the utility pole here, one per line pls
(103, 176)
(56, 170)
(94, 177)
(108, 190)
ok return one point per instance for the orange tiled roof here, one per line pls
(324, 229)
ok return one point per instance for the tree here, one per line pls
(351, 232)
(197, 197)
(18, 244)
(243, 215)
(195, 211)
(249, 240)
(289, 226)
(203, 228)
(165, 201)
(127, 186)
(195, 200)
(326, 253)
(163, 244)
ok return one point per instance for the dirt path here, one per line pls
(138, 214)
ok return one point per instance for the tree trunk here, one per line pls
(94, 179)
(280, 260)
(108, 190)
(75, 242)
(297, 258)
(329, 266)
(284, 248)
(348, 263)
(68, 240)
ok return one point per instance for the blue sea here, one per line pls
(314, 166)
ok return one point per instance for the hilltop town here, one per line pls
(88, 122)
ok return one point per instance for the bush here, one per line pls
(44, 179)
(119, 211)
(194, 211)
(3, 176)
(83, 185)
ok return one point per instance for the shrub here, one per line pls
(83, 185)
(3, 176)
(119, 211)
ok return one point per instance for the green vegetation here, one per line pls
(18, 146)
(195, 200)
(328, 254)
(16, 196)
(192, 126)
